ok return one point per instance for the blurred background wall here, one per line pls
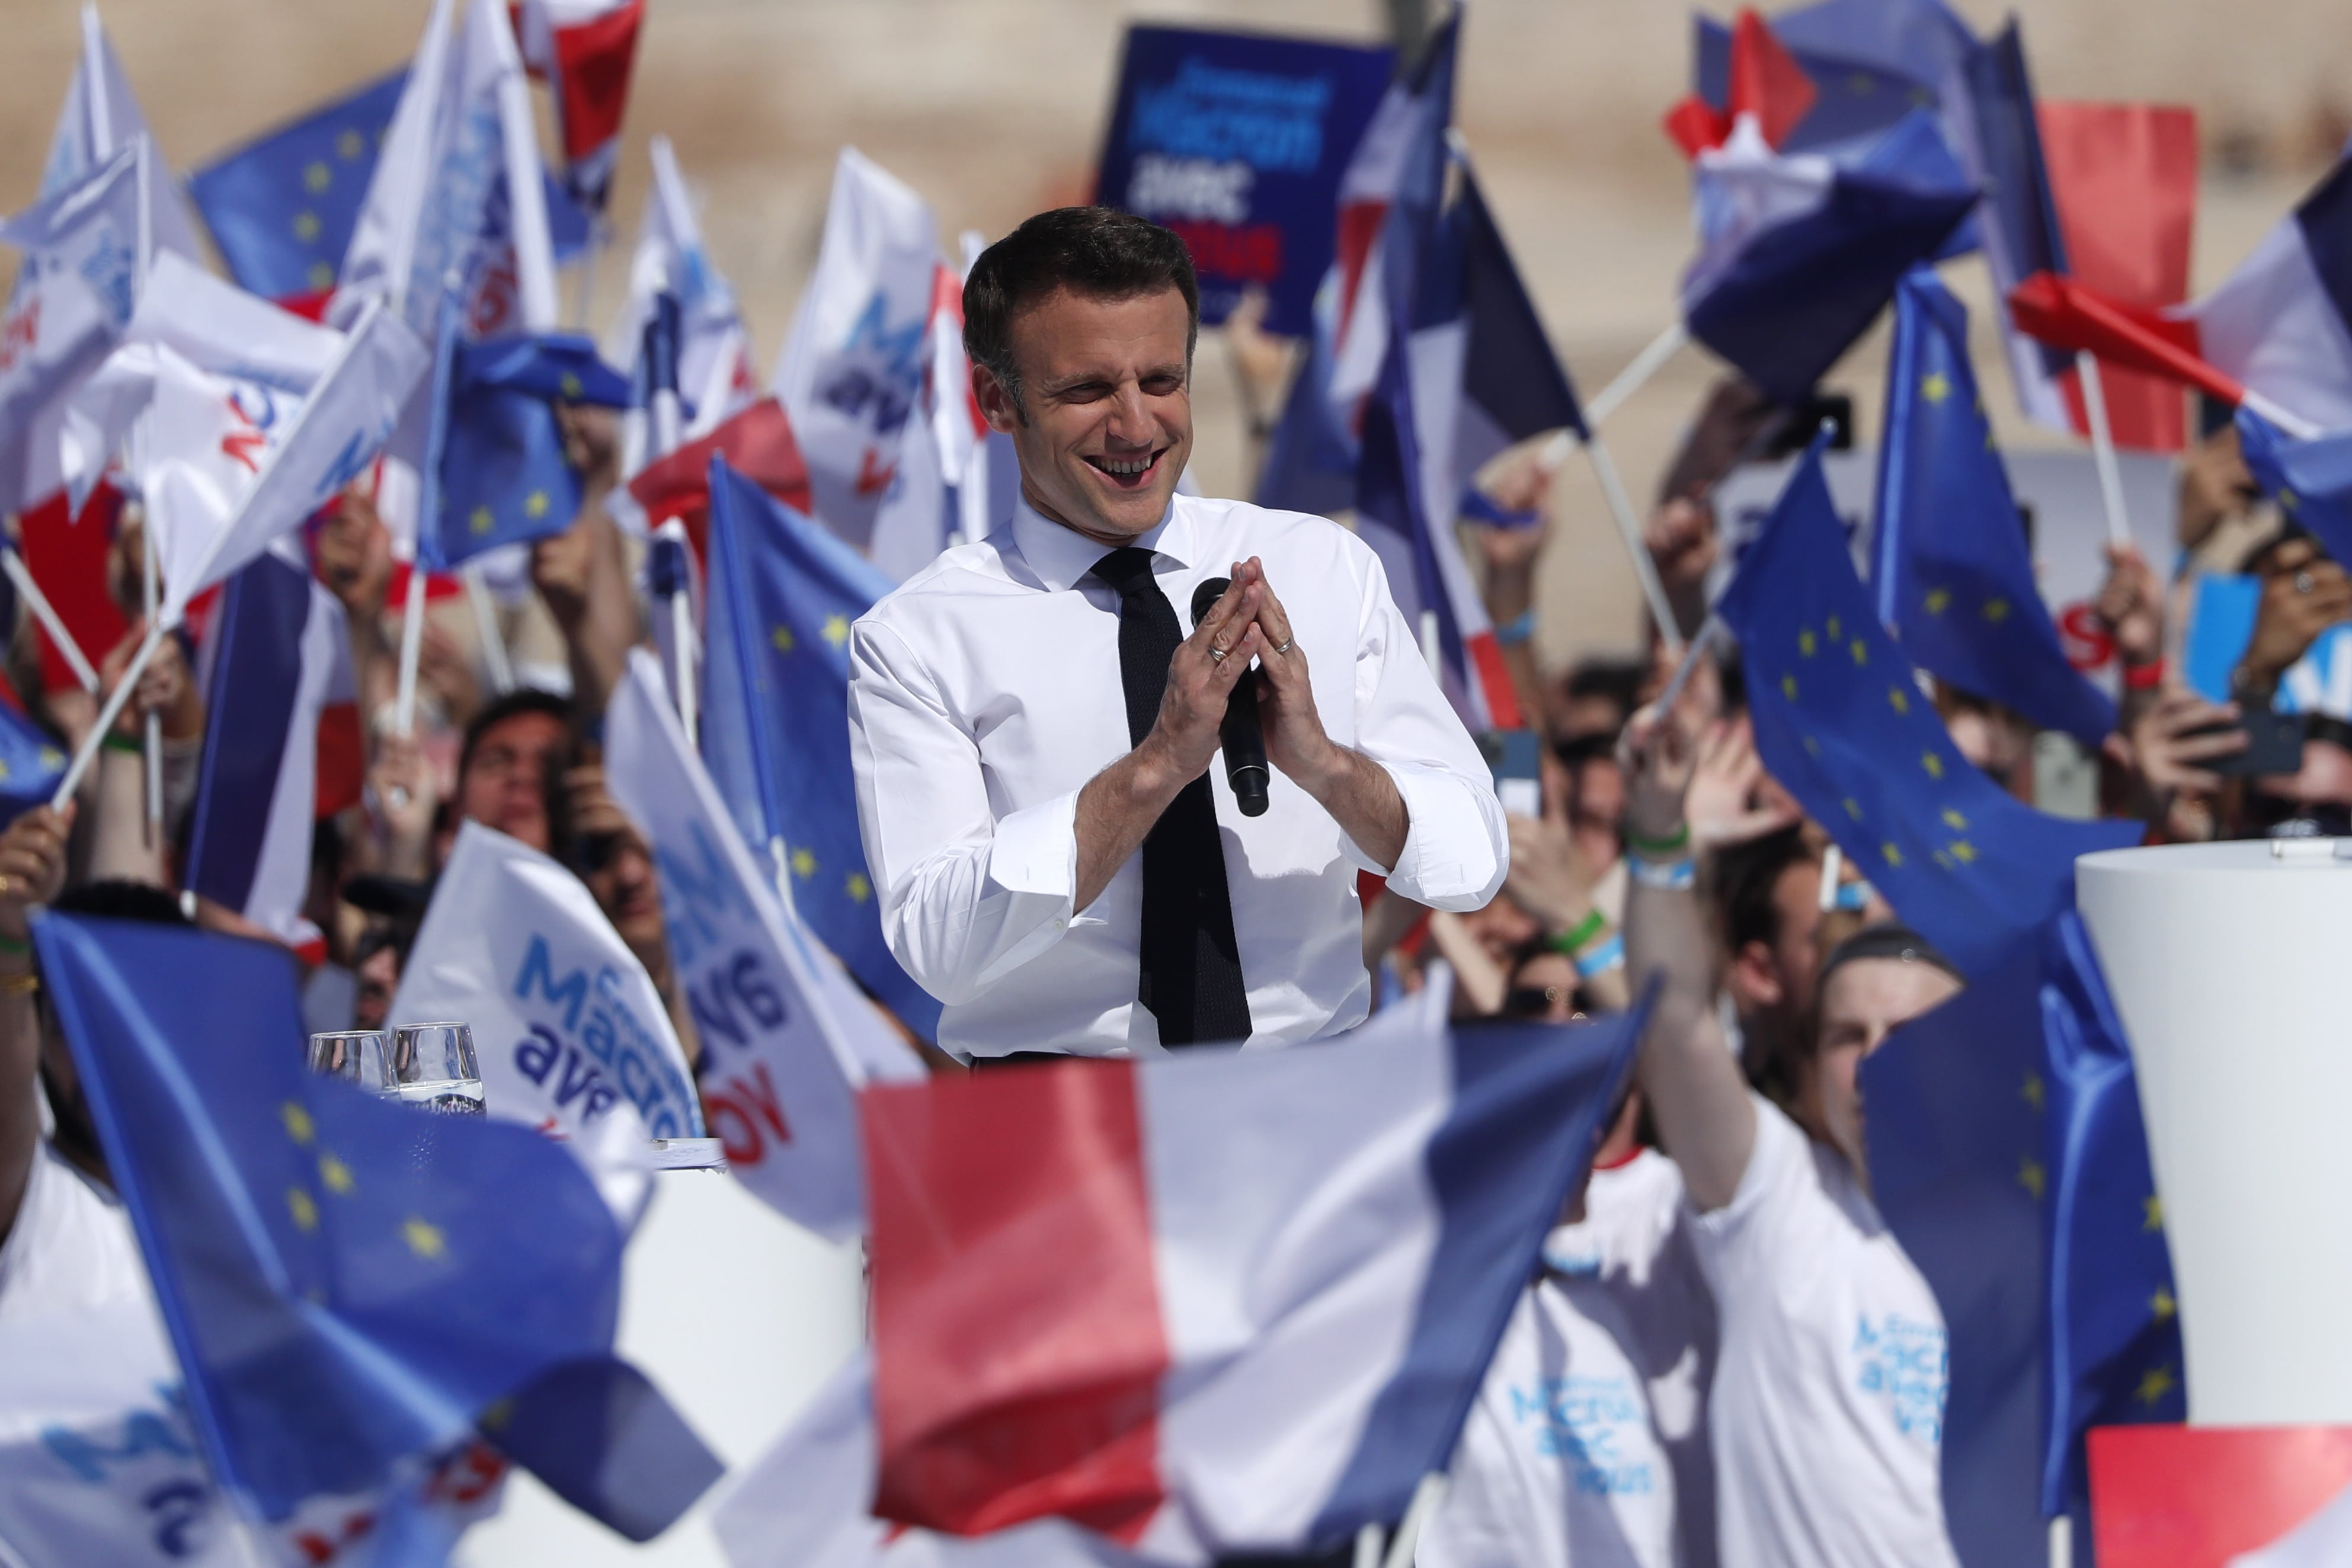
(994, 109)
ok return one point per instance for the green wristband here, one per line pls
(1661, 848)
(1570, 942)
(116, 742)
(10, 947)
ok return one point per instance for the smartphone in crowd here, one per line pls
(1515, 759)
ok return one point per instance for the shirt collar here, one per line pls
(1061, 558)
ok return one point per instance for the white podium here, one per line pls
(2231, 966)
(735, 1313)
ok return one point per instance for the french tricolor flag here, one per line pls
(281, 743)
(1213, 1303)
(2275, 337)
(586, 50)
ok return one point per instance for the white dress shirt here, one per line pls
(985, 694)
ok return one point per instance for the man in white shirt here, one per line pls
(1035, 716)
(1588, 1445)
(1828, 1406)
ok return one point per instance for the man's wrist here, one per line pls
(1154, 778)
(1323, 779)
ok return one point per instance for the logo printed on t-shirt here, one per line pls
(1906, 1363)
(1598, 1425)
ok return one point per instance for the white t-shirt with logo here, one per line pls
(1827, 1409)
(71, 1248)
(1588, 1444)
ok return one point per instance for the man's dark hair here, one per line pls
(523, 699)
(1745, 875)
(114, 898)
(1098, 252)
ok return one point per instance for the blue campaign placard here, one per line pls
(1236, 141)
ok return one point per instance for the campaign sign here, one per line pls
(1237, 142)
(786, 1039)
(567, 1025)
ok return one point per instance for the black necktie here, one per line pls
(1192, 975)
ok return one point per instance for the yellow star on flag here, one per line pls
(349, 145)
(1853, 809)
(1805, 641)
(298, 1125)
(4, 770)
(2034, 1093)
(317, 177)
(1894, 856)
(1933, 763)
(535, 504)
(335, 1173)
(1896, 701)
(1862, 84)
(860, 889)
(1812, 747)
(1964, 852)
(837, 629)
(321, 276)
(804, 863)
(2287, 498)
(1939, 600)
(423, 1239)
(1996, 611)
(306, 226)
(570, 386)
(781, 639)
(1954, 821)
(2161, 1306)
(2151, 1216)
(2032, 1176)
(1788, 687)
(2158, 1382)
(481, 520)
(303, 1207)
(1935, 386)
(1833, 624)
(52, 758)
(1861, 653)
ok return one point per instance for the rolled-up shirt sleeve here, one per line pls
(1456, 847)
(965, 897)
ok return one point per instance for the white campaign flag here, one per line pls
(937, 449)
(802, 1504)
(569, 1031)
(75, 292)
(211, 512)
(853, 367)
(714, 353)
(100, 118)
(787, 1039)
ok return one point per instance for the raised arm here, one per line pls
(32, 869)
(1696, 1093)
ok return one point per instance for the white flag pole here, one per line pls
(1629, 528)
(107, 714)
(1833, 872)
(1689, 666)
(411, 642)
(46, 613)
(494, 662)
(149, 579)
(2103, 445)
(1425, 1499)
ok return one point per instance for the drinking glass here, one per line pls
(433, 1065)
(359, 1057)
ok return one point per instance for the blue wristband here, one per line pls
(1519, 628)
(1480, 507)
(1608, 956)
(1670, 876)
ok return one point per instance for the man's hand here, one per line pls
(163, 689)
(1727, 802)
(561, 567)
(592, 443)
(404, 792)
(2131, 605)
(2303, 594)
(1201, 681)
(355, 555)
(32, 865)
(2167, 744)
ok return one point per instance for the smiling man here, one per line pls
(1035, 716)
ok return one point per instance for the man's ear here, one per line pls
(1754, 978)
(996, 404)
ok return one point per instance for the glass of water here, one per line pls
(360, 1058)
(432, 1065)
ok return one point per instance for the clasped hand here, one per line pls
(1246, 622)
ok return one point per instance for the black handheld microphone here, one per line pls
(1244, 740)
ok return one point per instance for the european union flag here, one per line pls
(281, 208)
(1951, 565)
(2115, 1329)
(504, 478)
(349, 1283)
(31, 763)
(775, 718)
(1957, 1104)
(1841, 722)
(2311, 480)
(2008, 1156)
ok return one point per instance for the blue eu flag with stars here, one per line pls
(348, 1282)
(503, 474)
(775, 718)
(31, 763)
(1841, 722)
(2008, 1156)
(1951, 565)
(282, 208)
